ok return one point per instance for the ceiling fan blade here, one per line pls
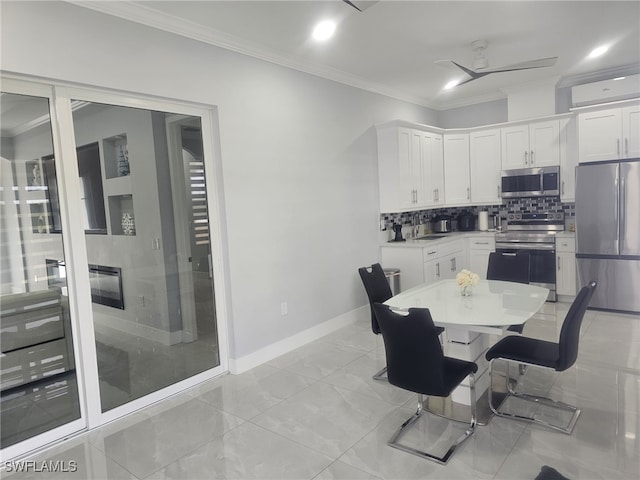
(352, 4)
(361, 5)
(541, 62)
(473, 75)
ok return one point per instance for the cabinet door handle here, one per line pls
(558, 262)
(532, 158)
(526, 158)
(431, 253)
(468, 193)
(481, 243)
(563, 187)
(498, 190)
(438, 269)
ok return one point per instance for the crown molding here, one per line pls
(138, 13)
(468, 101)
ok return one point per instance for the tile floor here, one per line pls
(315, 413)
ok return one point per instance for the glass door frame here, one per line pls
(83, 334)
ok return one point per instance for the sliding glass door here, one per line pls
(110, 242)
(144, 203)
(38, 382)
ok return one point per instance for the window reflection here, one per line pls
(151, 280)
(37, 378)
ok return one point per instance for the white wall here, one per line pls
(298, 156)
(486, 113)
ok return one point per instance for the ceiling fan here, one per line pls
(480, 63)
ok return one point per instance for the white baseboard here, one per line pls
(137, 329)
(252, 360)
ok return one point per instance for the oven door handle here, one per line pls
(525, 246)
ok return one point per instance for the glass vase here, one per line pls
(466, 290)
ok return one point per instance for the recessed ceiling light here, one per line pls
(596, 52)
(451, 84)
(324, 30)
(619, 78)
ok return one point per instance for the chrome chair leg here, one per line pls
(537, 399)
(381, 375)
(393, 441)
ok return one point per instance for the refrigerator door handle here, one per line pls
(623, 213)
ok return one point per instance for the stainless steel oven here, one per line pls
(535, 234)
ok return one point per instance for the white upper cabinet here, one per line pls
(457, 186)
(485, 166)
(535, 144)
(433, 169)
(395, 169)
(515, 146)
(631, 131)
(609, 134)
(410, 170)
(599, 135)
(568, 159)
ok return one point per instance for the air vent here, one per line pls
(620, 88)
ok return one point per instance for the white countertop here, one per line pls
(447, 237)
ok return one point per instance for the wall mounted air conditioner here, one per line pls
(620, 88)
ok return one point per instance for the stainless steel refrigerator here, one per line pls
(608, 232)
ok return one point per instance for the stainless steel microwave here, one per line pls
(531, 182)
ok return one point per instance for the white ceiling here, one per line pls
(391, 47)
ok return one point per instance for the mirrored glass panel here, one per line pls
(144, 195)
(37, 378)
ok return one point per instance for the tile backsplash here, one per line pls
(514, 205)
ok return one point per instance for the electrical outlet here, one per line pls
(284, 308)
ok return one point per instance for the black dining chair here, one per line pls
(509, 267)
(378, 290)
(416, 362)
(540, 353)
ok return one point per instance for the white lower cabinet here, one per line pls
(479, 249)
(427, 264)
(566, 283)
(449, 258)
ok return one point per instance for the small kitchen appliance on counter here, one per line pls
(397, 228)
(483, 221)
(466, 222)
(441, 224)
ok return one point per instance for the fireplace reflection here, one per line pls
(106, 286)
